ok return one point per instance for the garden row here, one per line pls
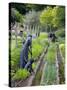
(49, 76)
(54, 70)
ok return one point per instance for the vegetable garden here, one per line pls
(47, 27)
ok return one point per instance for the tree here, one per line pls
(53, 17)
(16, 18)
(46, 17)
(31, 19)
(58, 17)
(24, 8)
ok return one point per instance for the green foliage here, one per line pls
(15, 56)
(16, 16)
(31, 18)
(50, 69)
(60, 33)
(61, 40)
(39, 44)
(46, 16)
(53, 17)
(24, 34)
(43, 36)
(62, 64)
(21, 74)
(33, 65)
(35, 7)
(59, 16)
(50, 75)
(23, 8)
(42, 39)
(62, 48)
(36, 50)
(51, 54)
(13, 43)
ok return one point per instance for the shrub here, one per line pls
(33, 65)
(60, 33)
(15, 58)
(21, 74)
(61, 40)
(13, 44)
(36, 50)
(38, 45)
(62, 48)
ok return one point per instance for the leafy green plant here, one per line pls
(21, 74)
(50, 74)
(33, 65)
(14, 61)
(50, 69)
(15, 57)
(60, 33)
(13, 43)
(62, 48)
(36, 50)
(38, 45)
(51, 54)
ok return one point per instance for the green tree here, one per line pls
(58, 17)
(16, 16)
(46, 17)
(32, 19)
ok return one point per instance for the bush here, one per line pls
(14, 61)
(62, 48)
(15, 58)
(33, 65)
(61, 40)
(24, 34)
(36, 50)
(21, 74)
(13, 43)
(60, 33)
(39, 44)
